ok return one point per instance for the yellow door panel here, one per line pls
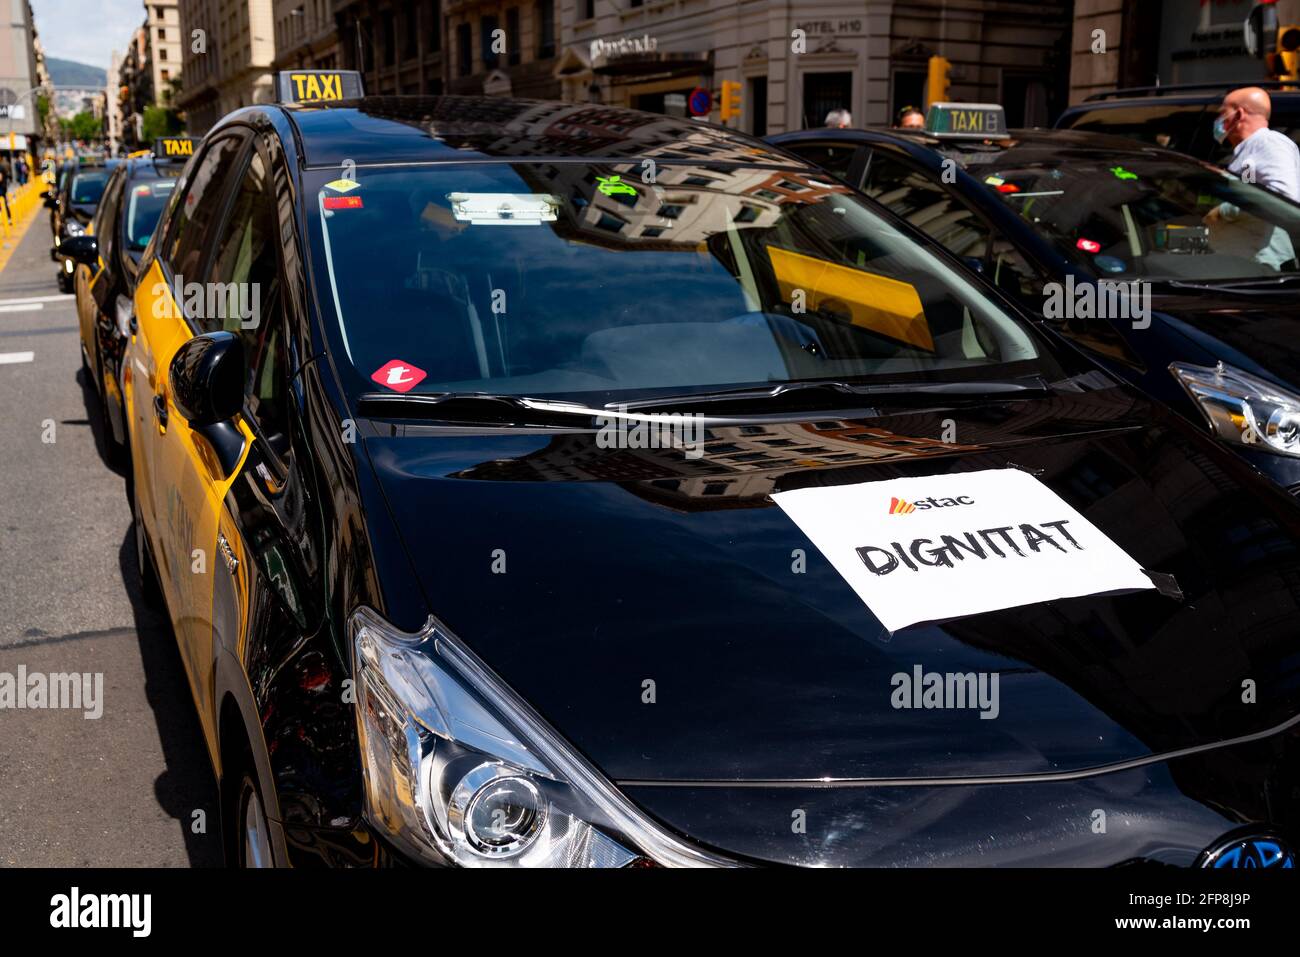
(184, 488)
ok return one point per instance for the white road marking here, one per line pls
(9, 358)
(22, 307)
(62, 297)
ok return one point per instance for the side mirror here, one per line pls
(207, 378)
(82, 249)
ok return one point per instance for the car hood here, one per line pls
(1254, 332)
(651, 608)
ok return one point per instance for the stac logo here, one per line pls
(901, 506)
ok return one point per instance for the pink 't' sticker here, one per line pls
(399, 376)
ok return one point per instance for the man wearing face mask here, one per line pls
(1261, 156)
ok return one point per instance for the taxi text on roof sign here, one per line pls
(169, 147)
(317, 86)
(960, 120)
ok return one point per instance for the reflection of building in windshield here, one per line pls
(682, 208)
(522, 128)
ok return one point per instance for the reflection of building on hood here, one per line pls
(739, 468)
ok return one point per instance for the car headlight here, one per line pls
(459, 768)
(75, 228)
(1242, 408)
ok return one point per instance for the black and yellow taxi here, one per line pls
(554, 484)
(73, 203)
(1174, 274)
(108, 258)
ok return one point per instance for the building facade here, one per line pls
(135, 88)
(305, 35)
(1163, 42)
(18, 69)
(396, 44)
(798, 59)
(503, 47)
(163, 29)
(228, 48)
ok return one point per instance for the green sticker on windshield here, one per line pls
(1121, 173)
(614, 185)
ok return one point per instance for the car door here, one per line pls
(172, 465)
(241, 280)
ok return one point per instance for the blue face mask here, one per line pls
(1220, 130)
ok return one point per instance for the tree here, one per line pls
(159, 121)
(83, 126)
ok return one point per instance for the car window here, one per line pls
(245, 277)
(1131, 216)
(1176, 126)
(924, 203)
(88, 187)
(191, 226)
(106, 215)
(145, 203)
(572, 279)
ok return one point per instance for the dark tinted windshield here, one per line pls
(1127, 216)
(572, 278)
(145, 204)
(88, 187)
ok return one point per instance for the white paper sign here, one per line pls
(947, 546)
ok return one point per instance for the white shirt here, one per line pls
(1269, 159)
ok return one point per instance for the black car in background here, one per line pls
(1179, 117)
(1044, 214)
(458, 615)
(136, 193)
(72, 205)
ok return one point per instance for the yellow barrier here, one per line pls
(23, 201)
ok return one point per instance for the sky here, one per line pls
(86, 30)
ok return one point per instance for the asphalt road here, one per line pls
(121, 789)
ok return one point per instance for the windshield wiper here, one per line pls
(474, 407)
(880, 390)
(1262, 284)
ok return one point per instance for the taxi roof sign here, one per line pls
(976, 121)
(173, 147)
(317, 86)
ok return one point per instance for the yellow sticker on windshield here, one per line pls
(888, 307)
(342, 185)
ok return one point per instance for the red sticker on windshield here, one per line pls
(399, 376)
(343, 202)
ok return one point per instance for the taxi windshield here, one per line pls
(88, 187)
(571, 278)
(1127, 216)
(143, 209)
